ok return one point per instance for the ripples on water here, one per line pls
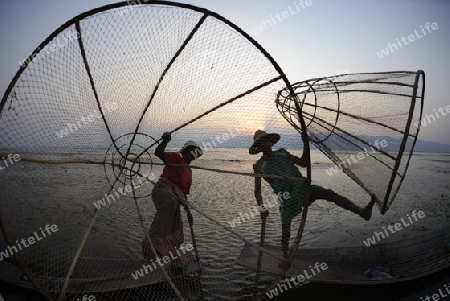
(35, 195)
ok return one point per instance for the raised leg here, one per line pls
(331, 196)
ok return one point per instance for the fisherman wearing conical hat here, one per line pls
(166, 231)
(282, 163)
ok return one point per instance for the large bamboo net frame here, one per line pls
(149, 46)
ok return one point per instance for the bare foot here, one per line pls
(366, 213)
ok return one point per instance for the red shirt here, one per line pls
(180, 176)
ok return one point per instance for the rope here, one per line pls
(80, 248)
(253, 174)
(247, 174)
(47, 161)
(186, 207)
(276, 256)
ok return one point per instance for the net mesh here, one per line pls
(367, 124)
(85, 113)
(79, 127)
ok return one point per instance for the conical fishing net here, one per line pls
(85, 113)
(367, 124)
(81, 196)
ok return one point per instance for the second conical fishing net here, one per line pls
(366, 123)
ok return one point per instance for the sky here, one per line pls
(308, 39)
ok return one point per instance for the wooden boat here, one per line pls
(11, 274)
(406, 259)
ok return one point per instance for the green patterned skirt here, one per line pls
(293, 205)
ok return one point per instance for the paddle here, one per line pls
(258, 265)
(191, 226)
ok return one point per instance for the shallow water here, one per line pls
(34, 195)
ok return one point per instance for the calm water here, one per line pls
(34, 195)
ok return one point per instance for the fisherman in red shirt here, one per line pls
(166, 231)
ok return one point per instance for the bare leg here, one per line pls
(166, 231)
(285, 235)
(331, 196)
